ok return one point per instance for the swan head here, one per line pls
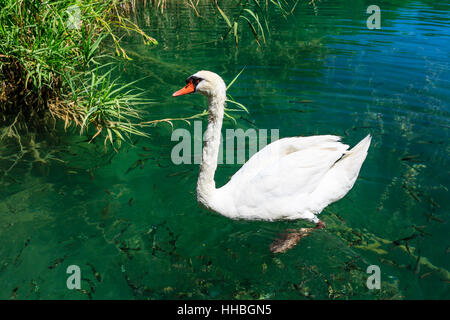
(207, 83)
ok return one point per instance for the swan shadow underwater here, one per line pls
(289, 179)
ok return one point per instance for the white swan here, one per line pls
(291, 178)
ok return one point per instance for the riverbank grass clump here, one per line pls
(54, 65)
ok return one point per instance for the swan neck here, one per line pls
(206, 184)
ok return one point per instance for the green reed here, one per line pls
(253, 14)
(55, 62)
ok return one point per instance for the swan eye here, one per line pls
(194, 80)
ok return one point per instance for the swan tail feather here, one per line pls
(341, 177)
(353, 159)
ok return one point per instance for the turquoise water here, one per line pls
(130, 219)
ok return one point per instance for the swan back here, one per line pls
(292, 178)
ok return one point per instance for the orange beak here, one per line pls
(189, 88)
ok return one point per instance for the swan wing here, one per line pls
(275, 151)
(276, 182)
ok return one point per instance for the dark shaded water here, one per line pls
(130, 219)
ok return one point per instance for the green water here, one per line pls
(130, 219)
